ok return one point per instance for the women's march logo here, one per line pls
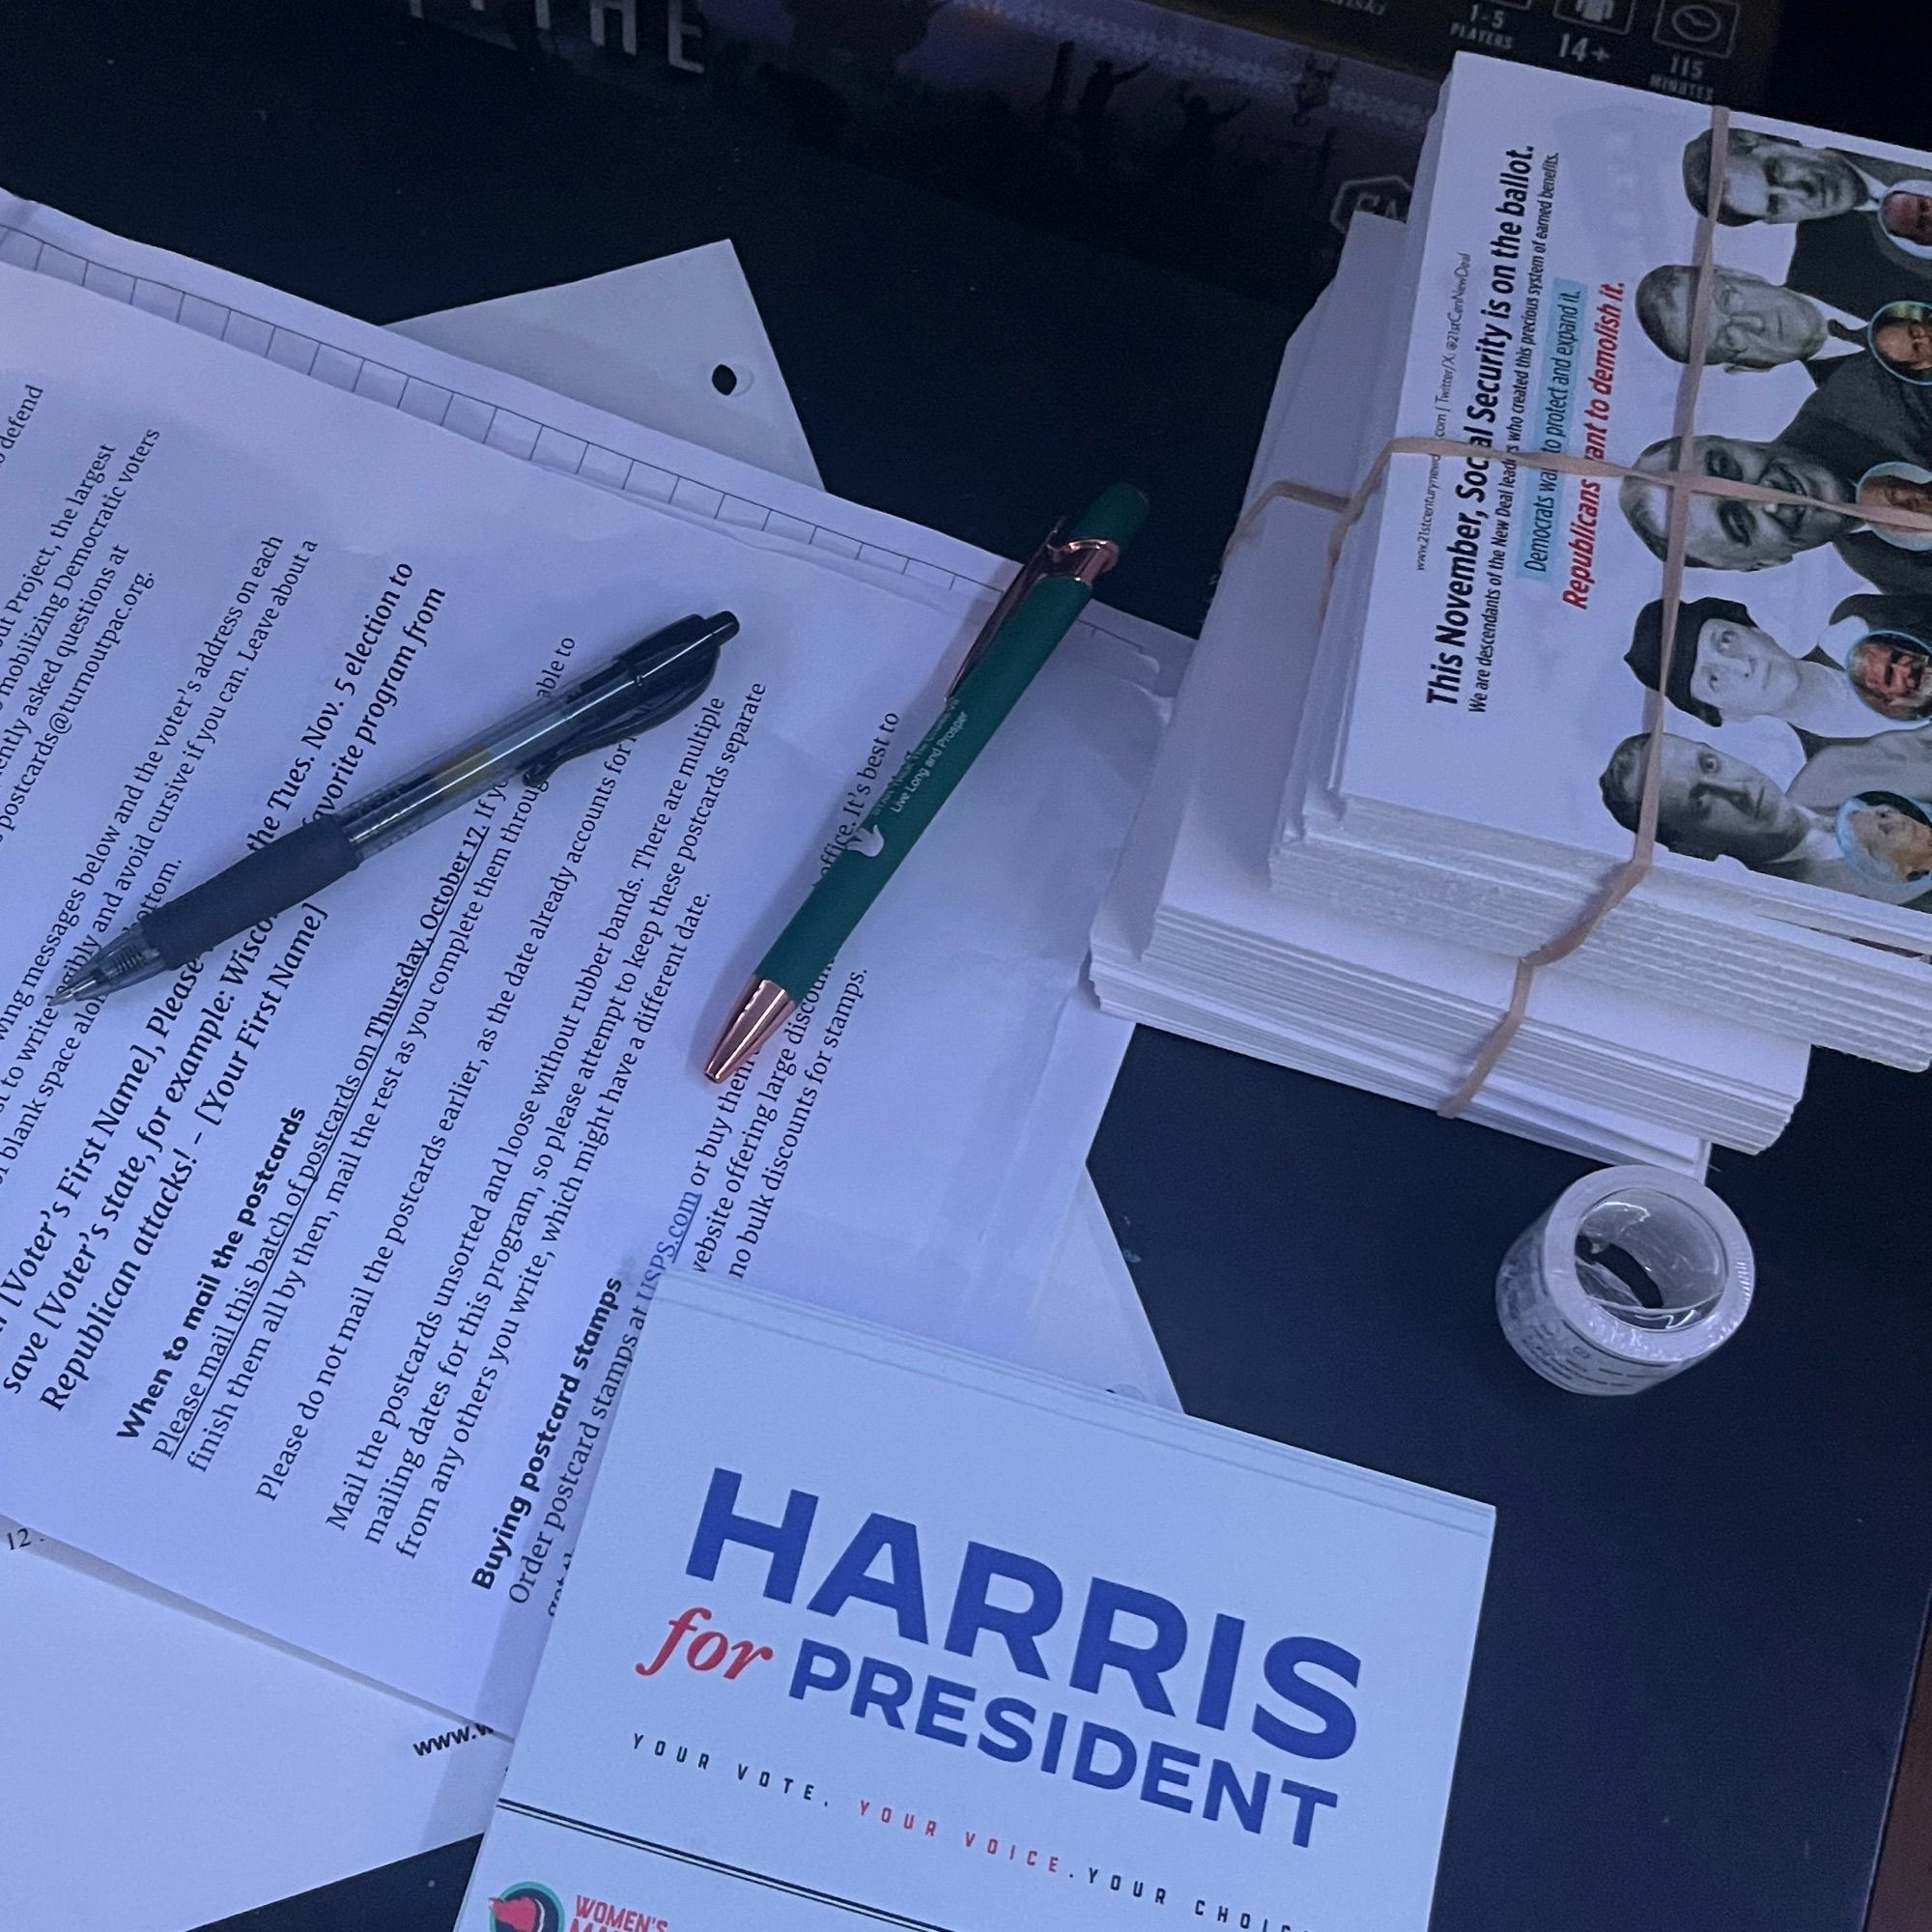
(527, 1907)
(535, 1908)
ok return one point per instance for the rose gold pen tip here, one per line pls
(764, 1007)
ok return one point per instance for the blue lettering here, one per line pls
(973, 1610)
(1166, 1779)
(1249, 1805)
(943, 1698)
(901, 1590)
(804, 1673)
(784, 1542)
(1017, 1742)
(1218, 1680)
(873, 1672)
(1087, 1771)
(1307, 1798)
(1338, 1721)
(1099, 1648)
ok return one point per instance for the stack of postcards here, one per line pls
(1468, 756)
(1194, 939)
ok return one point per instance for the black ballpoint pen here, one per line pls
(642, 686)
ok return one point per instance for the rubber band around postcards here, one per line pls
(1680, 485)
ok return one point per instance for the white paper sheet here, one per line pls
(1089, 1324)
(640, 342)
(551, 430)
(174, 1767)
(219, 1184)
(97, 1666)
(644, 343)
(200, 1713)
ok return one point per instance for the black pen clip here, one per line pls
(657, 702)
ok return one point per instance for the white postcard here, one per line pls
(868, 1631)
(1514, 627)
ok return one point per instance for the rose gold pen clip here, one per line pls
(1088, 559)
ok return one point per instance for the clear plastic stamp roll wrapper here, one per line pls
(1632, 1275)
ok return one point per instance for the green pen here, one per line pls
(1037, 611)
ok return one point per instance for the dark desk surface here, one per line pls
(1706, 1602)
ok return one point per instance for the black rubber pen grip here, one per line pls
(281, 874)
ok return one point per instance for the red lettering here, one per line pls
(704, 1650)
(748, 1653)
(679, 1625)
